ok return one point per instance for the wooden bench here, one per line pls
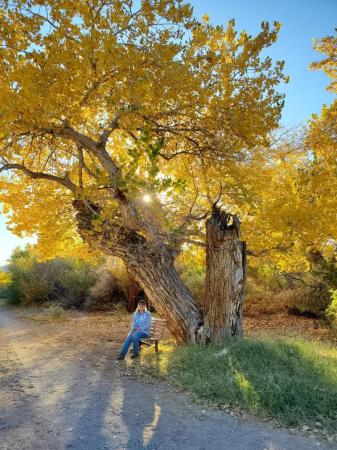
(157, 330)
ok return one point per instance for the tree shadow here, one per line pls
(87, 408)
(140, 412)
(100, 408)
(122, 414)
(80, 401)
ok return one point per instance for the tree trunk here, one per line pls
(151, 265)
(225, 278)
(155, 272)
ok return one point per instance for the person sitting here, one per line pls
(140, 328)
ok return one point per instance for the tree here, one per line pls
(118, 113)
(328, 46)
(289, 213)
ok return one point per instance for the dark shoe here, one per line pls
(120, 357)
(134, 356)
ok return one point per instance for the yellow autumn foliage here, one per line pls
(189, 109)
(4, 278)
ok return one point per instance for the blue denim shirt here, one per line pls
(142, 320)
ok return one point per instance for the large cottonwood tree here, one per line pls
(111, 115)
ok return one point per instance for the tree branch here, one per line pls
(193, 242)
(80, 166)
(280, 248)
(128, 209)
(85, 141)
(46, 18)
(65, 181)
(106, 133)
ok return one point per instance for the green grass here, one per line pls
(291, 380)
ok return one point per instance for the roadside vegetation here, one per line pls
(289, 380)
(293, 381)
(102, 285)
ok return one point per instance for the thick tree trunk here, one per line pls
(155, 272)
(225, 278)
(151, 265)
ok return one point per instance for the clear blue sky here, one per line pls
(302, 21)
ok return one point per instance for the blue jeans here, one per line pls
(133, 338)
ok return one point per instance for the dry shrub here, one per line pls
(105, 293)
(56, 312)
(65, 281)
(298, 293)
(310, 301)
(282, 300)
(117, 267)
(34, 289)
(312, 290)
(257, 299)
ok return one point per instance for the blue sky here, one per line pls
(9, 241)
(302, 21)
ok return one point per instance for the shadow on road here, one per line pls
(72, 395)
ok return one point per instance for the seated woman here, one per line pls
(140, 328)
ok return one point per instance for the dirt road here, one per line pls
(60, 388)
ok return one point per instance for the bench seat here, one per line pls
(157, 331)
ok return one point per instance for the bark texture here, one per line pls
(151, 265)
(155, 272)
(225, 277)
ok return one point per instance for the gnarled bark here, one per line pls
(225, 277)
(156, 273)
(151, 265)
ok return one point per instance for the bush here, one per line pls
(12, 295)
(310, 301)
(56, 311)
(194, 278)
(312, 290)
(332, 309)
(264, 294)
(191, 267)
(5, 280)
(75, 281)
(27, 284)
(121, 311)
(65, 281)
(307, 293)
(105, 293)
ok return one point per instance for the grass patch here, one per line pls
(54, 313)
(291, 380)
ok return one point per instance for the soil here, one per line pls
(61, 388)
(283, 324)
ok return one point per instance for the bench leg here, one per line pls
(156, 346)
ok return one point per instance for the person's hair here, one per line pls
(141, 302)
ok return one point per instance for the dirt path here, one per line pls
(60, 388)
